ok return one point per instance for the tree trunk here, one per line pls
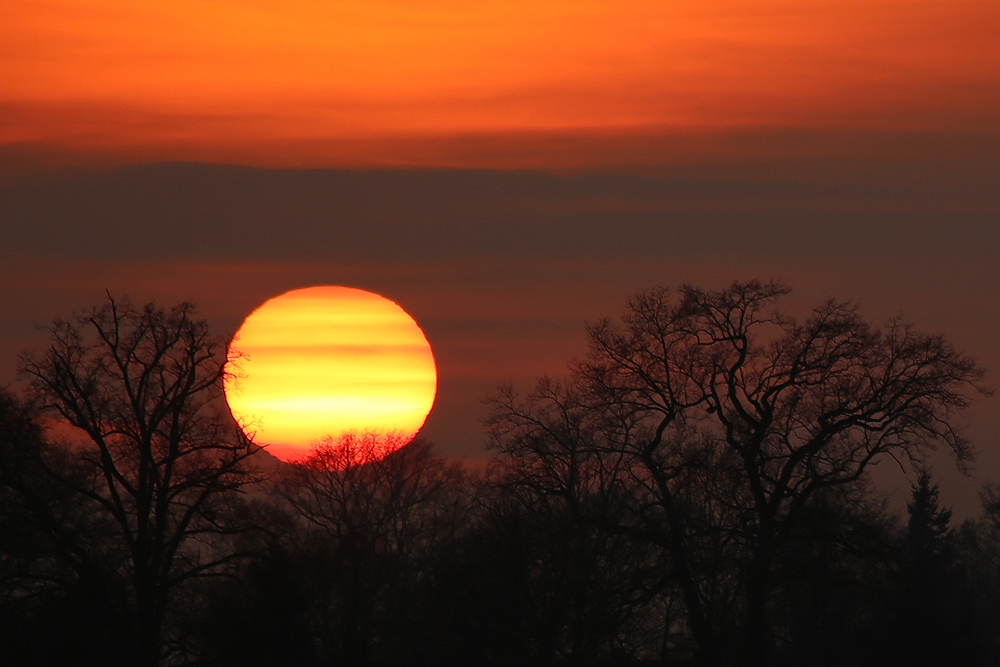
(701, 629)
(756, 627)
(147, 639)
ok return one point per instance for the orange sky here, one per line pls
(333, 83)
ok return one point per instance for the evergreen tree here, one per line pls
(928, 624)
(928, 549)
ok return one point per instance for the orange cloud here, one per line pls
(318, 82)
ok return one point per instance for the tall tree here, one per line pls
(717, 399)
(368, 524)
(140, 387)
(928, 534)
(931, 620)
(58, 593)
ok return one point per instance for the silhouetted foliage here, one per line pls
(977, 551)
(830, 581)
(694, 492)
(718, 401)
(368, 526)
(537, 587)
(929, 619)
(261, 618)
(58, 598)
(154, 460)
(928, 545)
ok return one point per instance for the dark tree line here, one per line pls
(693, 492)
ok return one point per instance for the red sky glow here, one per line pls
(308, 83)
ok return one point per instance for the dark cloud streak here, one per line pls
(198, 212)
(502, 269)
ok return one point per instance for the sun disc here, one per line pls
(323, 363)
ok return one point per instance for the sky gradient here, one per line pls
(505, 171)
(482, 84)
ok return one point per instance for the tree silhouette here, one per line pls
(717, 399)
(976, 545)
(928, 534)
(54, 598)
(539, 587)
(696, 485)
(930, 621)
(366, 528)
(831, 582)
(154, 455)
(260, 618)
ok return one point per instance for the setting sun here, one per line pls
(321, 362)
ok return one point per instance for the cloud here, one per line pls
(490, 84)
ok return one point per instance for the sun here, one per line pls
(329, 363)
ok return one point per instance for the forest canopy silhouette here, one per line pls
(694, 491)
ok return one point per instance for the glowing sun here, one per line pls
(328, 363)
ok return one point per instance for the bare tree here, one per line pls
(141, 386)
(717, 399)
(563, 442)
(59, 589)
(371, 522)
(574, 591)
